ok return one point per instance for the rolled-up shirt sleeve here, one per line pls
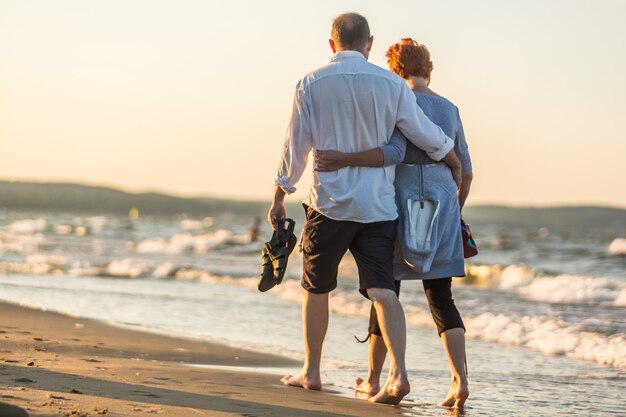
(297, 146)
(418, 128)
(394, 151)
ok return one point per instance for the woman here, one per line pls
(424, 190)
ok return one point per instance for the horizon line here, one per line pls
(138, 191)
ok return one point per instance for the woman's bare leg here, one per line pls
(377, 353)
(454, 345)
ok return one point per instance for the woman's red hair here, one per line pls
(408, 57)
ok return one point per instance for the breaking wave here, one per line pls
(557, 289)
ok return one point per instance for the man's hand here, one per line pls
(277, 210)
(455, 165)
(329, 160)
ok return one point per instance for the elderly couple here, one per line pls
(377, 184)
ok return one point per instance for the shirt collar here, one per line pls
(338, 56)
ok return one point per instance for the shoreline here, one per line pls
(57, 365)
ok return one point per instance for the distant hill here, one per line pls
(94, 199)
(63, 197)
(575, 218)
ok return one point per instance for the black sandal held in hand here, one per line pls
(276, 253)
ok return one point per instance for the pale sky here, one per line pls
(193, 97)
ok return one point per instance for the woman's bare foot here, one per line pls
(457, 394)
(393, 392)
(302, 381)
(366, 387)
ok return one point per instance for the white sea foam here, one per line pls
(36, 265)
(205, 242)
(22, 236)
(515, 276)
(84, 269)
(127, 268)
(618, 246)
(189, 224)
(186, 243)
(156, 245)
(573, 289)
(559, 289)
(53, 261)
(28, 226)
(550, 336)
(498, 277)
(620, 301)
(62, 229)
(20, 243)
(165, 270)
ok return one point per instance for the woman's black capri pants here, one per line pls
(439, 295)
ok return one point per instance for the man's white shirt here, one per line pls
(351, 105)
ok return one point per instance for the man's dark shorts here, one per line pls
(325, 241)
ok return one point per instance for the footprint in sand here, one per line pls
(76, 413)
(148, 410)
(173, 381)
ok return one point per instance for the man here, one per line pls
(351, 105)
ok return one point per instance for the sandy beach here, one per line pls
(56, 365)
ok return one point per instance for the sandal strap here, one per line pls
(279, 253)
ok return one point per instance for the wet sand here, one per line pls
(56, 365)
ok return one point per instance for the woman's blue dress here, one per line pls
(429, 242)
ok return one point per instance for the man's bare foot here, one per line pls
(457, 395)
(302, 382)
(393, 392)
(366, 387)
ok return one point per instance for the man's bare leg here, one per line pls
(376, 357)
(454, 345)
(315, 324)
(393, 326)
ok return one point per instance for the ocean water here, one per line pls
(544, 307)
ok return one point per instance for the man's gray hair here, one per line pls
(350, 31)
